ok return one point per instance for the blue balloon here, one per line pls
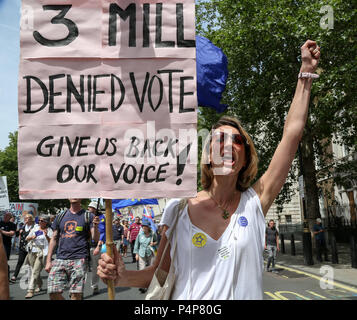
(104, 249)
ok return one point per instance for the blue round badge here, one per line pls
(243, 222)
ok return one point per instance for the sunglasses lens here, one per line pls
(238, 139)
(223, 137)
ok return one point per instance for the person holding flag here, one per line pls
(151, 210)
(149, 218)
(131, 217)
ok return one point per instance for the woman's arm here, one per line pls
(31, 235)
(4, 281)
(114, 269)
(8, 233)
(270, 184)
(51, 249)
(94, 230)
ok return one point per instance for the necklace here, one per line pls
(225, 213)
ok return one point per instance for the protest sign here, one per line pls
(107, 99)
(4, 196)
(20, 209)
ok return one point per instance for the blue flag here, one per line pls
(151, 211)
(131, 217)
(147, 218)
(122, 203)
(212, 73)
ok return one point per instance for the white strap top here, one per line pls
(224, 269)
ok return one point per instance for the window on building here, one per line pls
(288, 218)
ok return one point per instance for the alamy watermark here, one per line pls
(327, 20)
(326, 282)
(27, 18)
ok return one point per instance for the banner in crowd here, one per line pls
(107, 99)
(4, 196)
(20, 209)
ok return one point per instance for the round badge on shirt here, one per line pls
(243, 222)
(199, 240)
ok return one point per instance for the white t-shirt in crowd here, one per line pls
(40, 242)
(230, 268)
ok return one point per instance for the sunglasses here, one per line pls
(42, 220)
(222, 137)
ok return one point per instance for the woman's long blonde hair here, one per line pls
(247, 173)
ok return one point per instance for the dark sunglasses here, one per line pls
(42, 220)
(222, 136)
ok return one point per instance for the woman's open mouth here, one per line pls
(228, 161)
(228, 158)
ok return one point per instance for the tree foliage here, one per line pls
(262, 41)
(9, 168)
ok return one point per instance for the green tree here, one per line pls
(9, 168)
(262, 41)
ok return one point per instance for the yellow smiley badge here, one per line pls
(199, 240)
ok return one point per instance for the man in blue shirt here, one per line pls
(71, 233)
(319, 232)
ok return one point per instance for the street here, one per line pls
(286, 284)
(291, 285)
(18, 290)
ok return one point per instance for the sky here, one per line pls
(9, 66)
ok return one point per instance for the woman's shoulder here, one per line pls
(172, 203)
(251, 194)
(252, 203)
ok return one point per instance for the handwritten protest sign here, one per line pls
(107, 99)
(4, 196)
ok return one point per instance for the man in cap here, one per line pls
(93, 208)
(319, 232)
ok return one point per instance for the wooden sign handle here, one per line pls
(109, 243)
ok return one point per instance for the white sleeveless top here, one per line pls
(229, 268)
